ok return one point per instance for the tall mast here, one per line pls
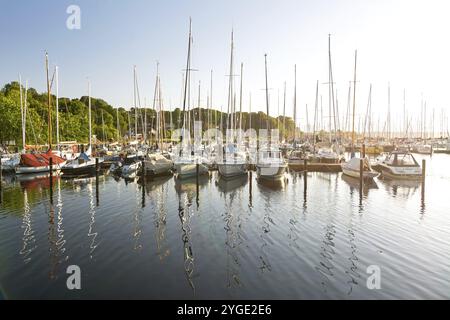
(135, 103)
(267, 100)
(154, 103)
(57, 106)
(22, 111)
(284, 113)
(295, 103)
(118, 125)
(210, 99)
(49, 105)
(316, 114)
(230, 88)
(240, 97)
(354, 106)
(186, 80)
(329, 86)
(250, 111)
(90, 115)
(24, 122)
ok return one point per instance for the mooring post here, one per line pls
(97, 192)
(143, 168)
(424, 166)
(363, 150)
(361, 174)
(305, 171)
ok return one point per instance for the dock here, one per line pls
(317, 167)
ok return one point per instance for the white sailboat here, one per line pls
(186, 163)
(155, 162)
(233, 162)
(270, 164)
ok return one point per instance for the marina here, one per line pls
(249, 151)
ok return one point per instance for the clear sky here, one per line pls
(403, 42)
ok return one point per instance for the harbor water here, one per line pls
(226, 239)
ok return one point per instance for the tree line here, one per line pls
(74, 119)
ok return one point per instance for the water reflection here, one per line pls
(354, 185)
(401, 188)
(184, 213)
(91, 232)
(157, 189)
(232, 189)
(28, 239)
(231, 184)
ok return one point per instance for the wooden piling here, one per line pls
(361, 173)
(424, 166)
(363, 150)
(305, 172)
(97, 192)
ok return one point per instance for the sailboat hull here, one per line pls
(229, 170)
(186, 170)
(270, 172)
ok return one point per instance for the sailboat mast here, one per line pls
(135, 103)
(90, 115)
(210, 100)
(240, 97)
(118, 125)
(354, 105)
(49, 104)
(230, 88)
(284, 113)
(24, 121)
(21, 110)
(57, 106)
(188, 62)
(295, 103)
(316, 113)
(267, 98)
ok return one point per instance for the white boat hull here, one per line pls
(271, 172)
(229, 170)
(356, 174)
(27, 170)
(185, 170)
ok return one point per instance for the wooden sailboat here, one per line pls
(40, 162)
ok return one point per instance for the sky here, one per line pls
(401, 42)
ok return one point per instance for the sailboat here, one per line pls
(40, 162)
(84, 164)
(270, 164)
(353, 166)
(187, 163)
(155, 162)
(331, 152)
(234, 160)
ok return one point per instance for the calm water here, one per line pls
(228, 240)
